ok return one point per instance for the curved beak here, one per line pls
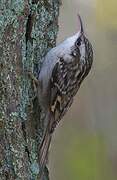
(81, 24)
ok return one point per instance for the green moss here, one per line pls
(17, 6)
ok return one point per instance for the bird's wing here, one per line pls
(63, 87)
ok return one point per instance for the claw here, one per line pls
(35, 81)
(31, 75)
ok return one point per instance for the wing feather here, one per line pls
(63, 84)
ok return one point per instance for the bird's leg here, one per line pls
(31, 75)
(34, 81)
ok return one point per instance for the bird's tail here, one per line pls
(44, 147)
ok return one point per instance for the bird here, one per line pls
(63, 70)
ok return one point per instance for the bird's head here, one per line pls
(76, 43)
(76, 46)
(79, 46)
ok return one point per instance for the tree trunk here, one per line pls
(28, 29)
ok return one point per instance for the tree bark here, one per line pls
(28, 29)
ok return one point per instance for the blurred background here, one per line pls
(84, 146)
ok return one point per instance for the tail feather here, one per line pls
(44, 153)
(43, 150)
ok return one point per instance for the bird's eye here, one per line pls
(78, 42)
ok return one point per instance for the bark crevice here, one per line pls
(25, 139)
(29, 26)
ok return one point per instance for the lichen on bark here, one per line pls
(28, 29)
